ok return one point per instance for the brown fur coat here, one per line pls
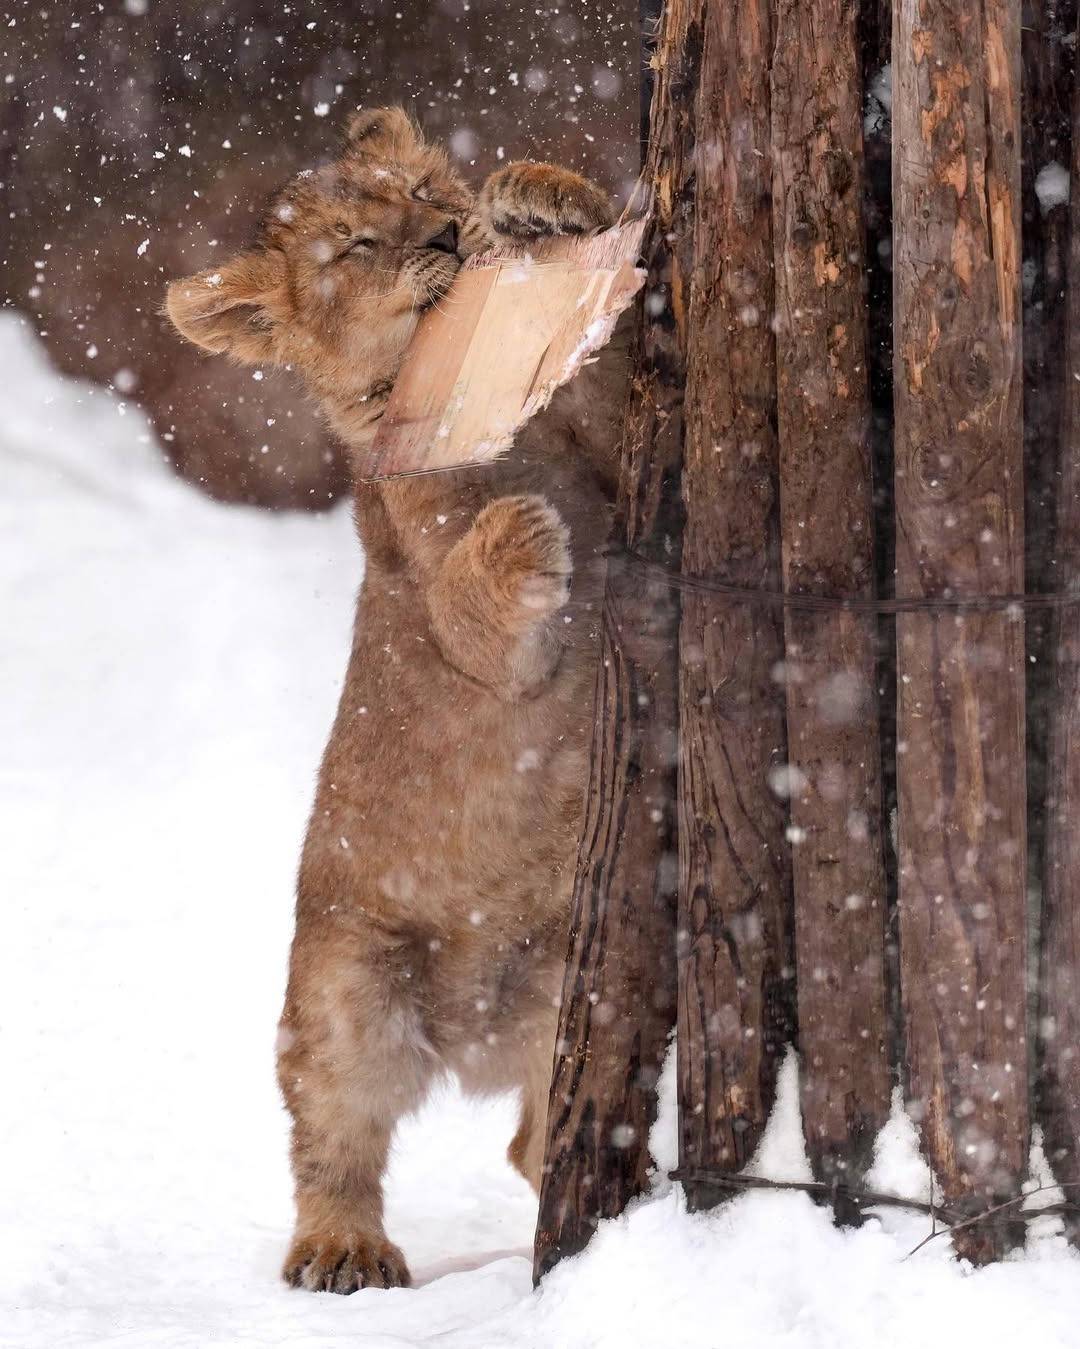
(435, 881)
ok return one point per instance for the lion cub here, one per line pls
(434, 887)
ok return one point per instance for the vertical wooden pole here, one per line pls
(959, 509)
(1049, 59)
(735, 943)
(619, 994)
(1059, 1021)
(876, 24)
(827, 532)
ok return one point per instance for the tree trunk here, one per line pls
(619, 994)
(827, 533)
(1059, 1086)
(1049, 59)
(959, 507)
(875, 25)
(735, 979)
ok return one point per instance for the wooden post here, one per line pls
(1059, 1020)
(736, 975)
(619, 994)
(959, 509)
(827, 532)
(1047, 91)
(876, 24)
(1049, 60)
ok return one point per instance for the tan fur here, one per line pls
(434, 886)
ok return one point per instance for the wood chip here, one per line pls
(518, 322)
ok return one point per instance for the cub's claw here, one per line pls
(533, 200)
(344, 1265)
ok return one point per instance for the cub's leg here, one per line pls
(339, 1244)
(352, 1060)
(495, 601)
(518, 1054)
(526, 1150)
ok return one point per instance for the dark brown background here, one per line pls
(237, 83)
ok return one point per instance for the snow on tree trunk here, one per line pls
(959, 509)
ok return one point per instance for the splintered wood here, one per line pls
(518, 322)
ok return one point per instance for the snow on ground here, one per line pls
(170, 668)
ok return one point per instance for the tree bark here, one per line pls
(1049, 59)
(875, 34)
(827, 533)
(959, 507)
(618, 1003)
(1059, 1021)
(735, 924)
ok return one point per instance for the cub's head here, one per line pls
(344, 262)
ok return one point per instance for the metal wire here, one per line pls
(959, 604)
(864, 1199)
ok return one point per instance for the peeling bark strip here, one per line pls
(735, 978)
(1059, 1021)
(826, 499)
(959, 508)
(618, 1002)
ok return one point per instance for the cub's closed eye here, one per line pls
(422, 190)
(361, 245)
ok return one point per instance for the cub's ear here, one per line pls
(384, 132)
(230, 309)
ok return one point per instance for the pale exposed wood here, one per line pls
(618, 1001)
(827, 532)
(517, 323)
(959, 507)
(735, 923)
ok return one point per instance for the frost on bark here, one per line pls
(735, 923)
(618, 1002)
(959, 532)
(827, 528)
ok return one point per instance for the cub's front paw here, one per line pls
(334, 1264)
(532, 200)
(523, 545)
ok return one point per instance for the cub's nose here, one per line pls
(446, 239)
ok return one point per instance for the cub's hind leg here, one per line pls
(340, 1244)
(526, 1150)
(352, 1060)
(518, 1054)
